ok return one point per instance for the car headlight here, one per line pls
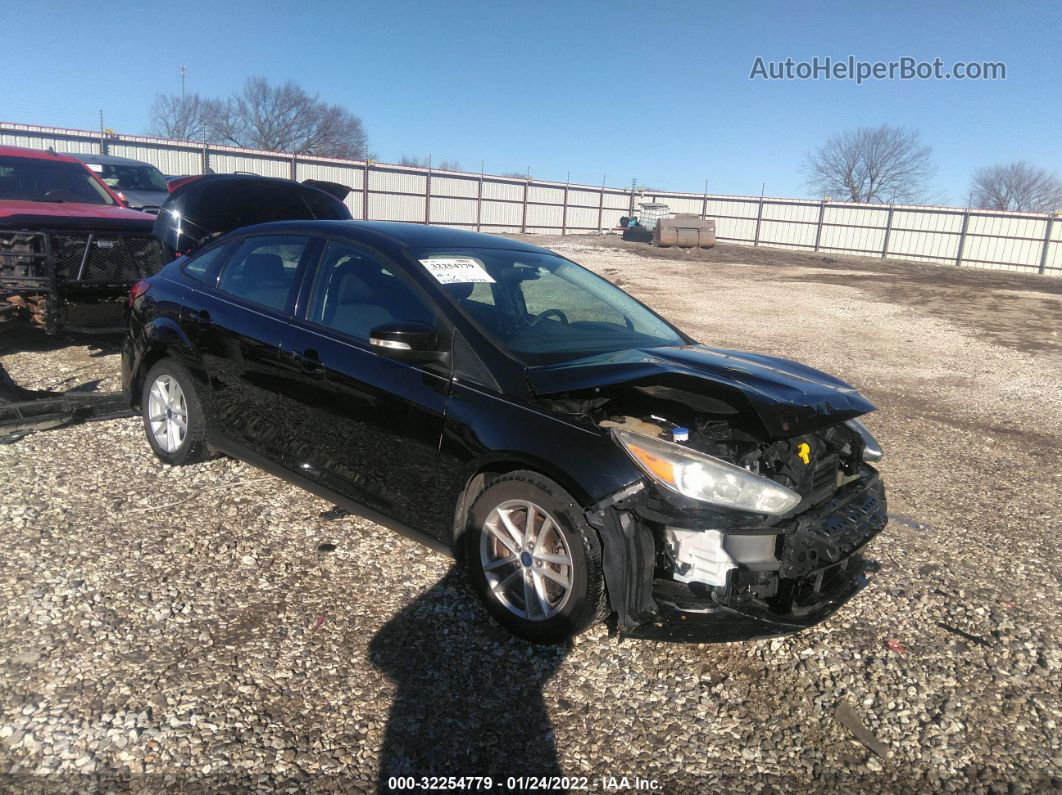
(871, 448)
(703, 477)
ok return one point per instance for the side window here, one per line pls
(263, 269)
(202, 265)
(353, 293)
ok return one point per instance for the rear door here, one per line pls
(237, 328)
(369, 427)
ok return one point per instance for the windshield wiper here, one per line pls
(49, 201)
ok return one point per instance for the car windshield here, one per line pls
(543, 308)
(123, 177)
(39, 180)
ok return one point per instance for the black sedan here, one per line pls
(583, 457)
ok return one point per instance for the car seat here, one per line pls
(356, 309)
(263, 279)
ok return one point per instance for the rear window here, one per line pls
(138, 178)
(52, 181)
(202, 265)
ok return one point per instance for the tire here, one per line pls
(180, 448)
(524, 592)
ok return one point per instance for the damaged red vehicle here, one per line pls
(69, 248)
(585, 458)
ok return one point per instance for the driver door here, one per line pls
(363, 425)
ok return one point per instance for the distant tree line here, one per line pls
(892, 165)
(277, 118)
(423, 162)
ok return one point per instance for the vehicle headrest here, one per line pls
(353, 290)
(460, 290)
(265, 267)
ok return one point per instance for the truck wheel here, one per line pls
(173, 416)
(533, 559)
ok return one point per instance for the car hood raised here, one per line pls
(789, 398)
(214, 204)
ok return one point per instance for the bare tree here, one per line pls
(277, 118)
(285, 118)
(422, 162)
(872, 164)
(182, 118)
(1016, 186)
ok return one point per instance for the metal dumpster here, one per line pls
(684, 231)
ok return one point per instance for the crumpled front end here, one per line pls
(681, 568)
(685, 576)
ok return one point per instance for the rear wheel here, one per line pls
(533, 559)
(173, 416)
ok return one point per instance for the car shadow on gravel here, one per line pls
(469, 695)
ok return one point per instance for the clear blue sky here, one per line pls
(657, 91)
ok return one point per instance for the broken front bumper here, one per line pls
(817, 566)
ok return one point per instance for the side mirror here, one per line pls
(409, 340)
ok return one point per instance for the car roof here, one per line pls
(109, 160)
(35, 154)
(404, 235)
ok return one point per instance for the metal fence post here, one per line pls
(1047, 242)
(759, 219)
(427, 194)
(962, 237)
(479, 200)
(523, 217)
(601, 205)
(365, 192)
(704, 201)
(888, 231)
(564, 208)
(818, 228)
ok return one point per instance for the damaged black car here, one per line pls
(584, 458)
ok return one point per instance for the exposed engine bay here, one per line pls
(707, 558)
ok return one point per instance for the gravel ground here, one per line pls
(211, 626)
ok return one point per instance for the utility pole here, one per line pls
(184, 73)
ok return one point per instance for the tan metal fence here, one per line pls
(1027, 242)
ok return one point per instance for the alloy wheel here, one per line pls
(526, 560)
(167, 413)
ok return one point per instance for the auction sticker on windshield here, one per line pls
(456, 270)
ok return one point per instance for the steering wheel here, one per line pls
(58, 194)
(563, 318)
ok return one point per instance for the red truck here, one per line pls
(70, 250)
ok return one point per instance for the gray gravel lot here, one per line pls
(211, 626)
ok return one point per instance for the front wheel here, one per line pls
(534, 560)
(173, 415)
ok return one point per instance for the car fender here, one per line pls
(163, 337)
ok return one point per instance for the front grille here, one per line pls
(22, 254)
(82, 257)
(105, 258)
